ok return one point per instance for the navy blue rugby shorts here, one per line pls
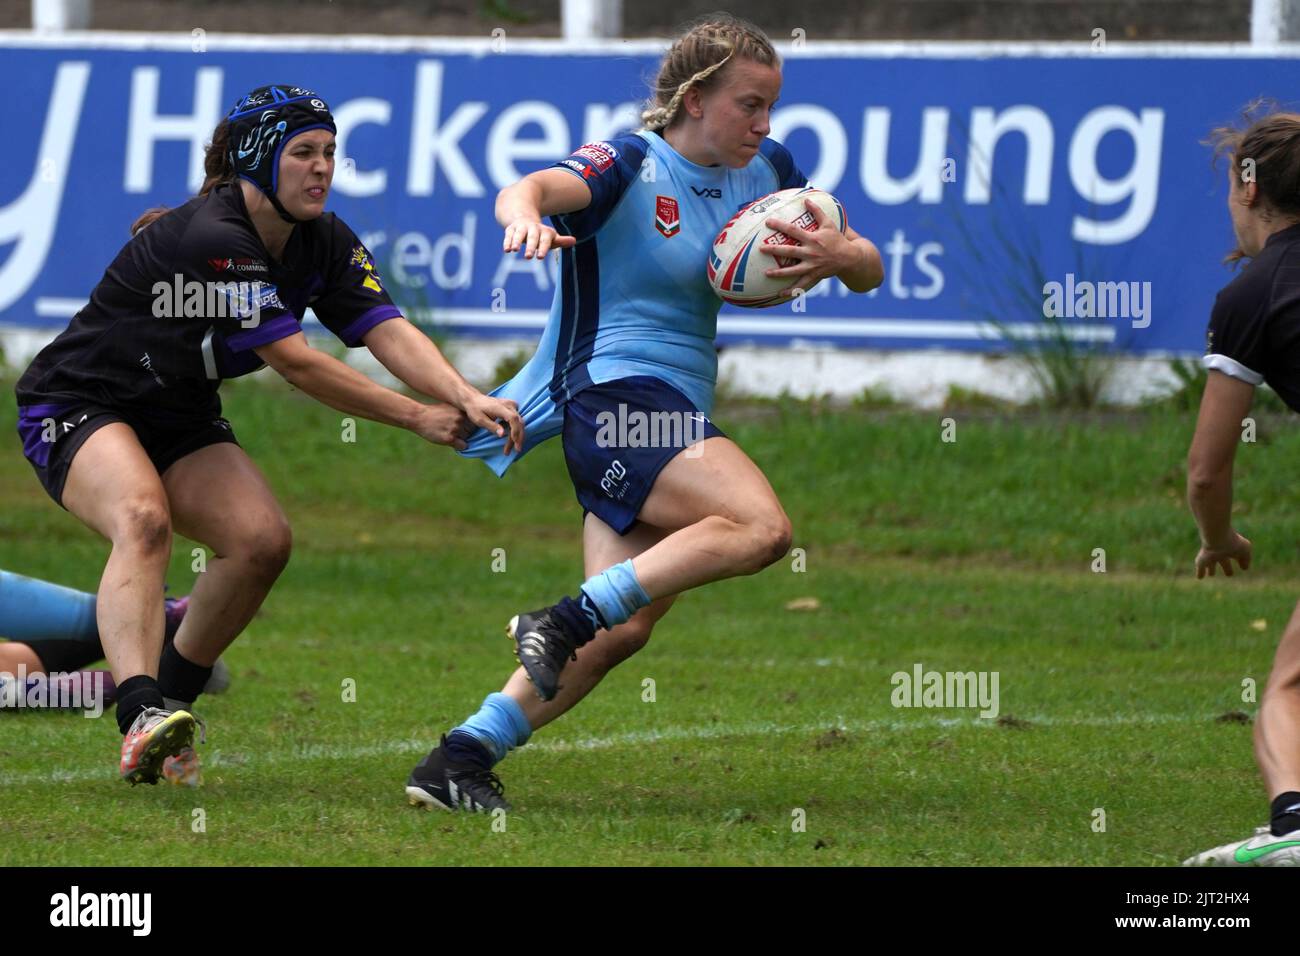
(619, 435)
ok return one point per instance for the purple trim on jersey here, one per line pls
(358, 327)
(42, 410)
(31, 429)
(281, 327)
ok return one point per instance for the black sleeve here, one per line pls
(228, 266)
(354, 300)
(1236, 342)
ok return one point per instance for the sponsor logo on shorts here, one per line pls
(44, 431)
(68, 425)
(574, 165)
(614, 482)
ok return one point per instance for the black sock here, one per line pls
(572, 616)
(133, 695)
(1285, 811)
(462, 747)
(178, 679)
(591, 611)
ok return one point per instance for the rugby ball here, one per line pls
(736, 267)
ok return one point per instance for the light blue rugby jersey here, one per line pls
(633, 297)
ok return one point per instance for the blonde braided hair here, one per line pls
(694, 58)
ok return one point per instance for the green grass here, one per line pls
(972, 555)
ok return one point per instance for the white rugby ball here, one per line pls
(736, 267)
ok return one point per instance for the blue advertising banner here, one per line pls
(999, 186)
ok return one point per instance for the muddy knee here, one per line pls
(145, 527)
(770, 538)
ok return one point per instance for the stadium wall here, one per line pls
(995, 178)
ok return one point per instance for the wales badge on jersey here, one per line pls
(668, 218)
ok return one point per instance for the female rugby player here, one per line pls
(631, 331)
(120, 417)
(1254, 337)
(46, 628)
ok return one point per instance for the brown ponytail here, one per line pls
(216, 170)
(1265, 150)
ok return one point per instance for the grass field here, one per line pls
(1118, 690)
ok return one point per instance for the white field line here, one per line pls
(214, 758)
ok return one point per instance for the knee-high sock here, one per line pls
(500, 725)
(616, 593)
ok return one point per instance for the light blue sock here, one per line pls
(32, 610)
(616, 593)
(500, 725)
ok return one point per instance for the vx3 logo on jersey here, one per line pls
(708, 192)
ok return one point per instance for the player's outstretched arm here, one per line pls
(520, 209)
(410, 355)
(1209, 473)
(342, 387)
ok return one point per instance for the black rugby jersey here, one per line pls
(189, 297)
(1254, 332)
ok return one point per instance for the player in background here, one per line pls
(121, 419)
(46, 629)
(1254, 337)
(631, 330)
